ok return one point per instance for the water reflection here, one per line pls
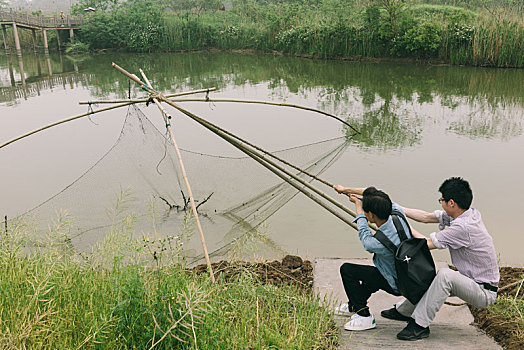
(487, 122)
(385, 99)
(11, 71)
(32, 78)
(388, 127)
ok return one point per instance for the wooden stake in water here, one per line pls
(152, 92)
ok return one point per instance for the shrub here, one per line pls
(133, 26)
(421, 41)
(77, 47)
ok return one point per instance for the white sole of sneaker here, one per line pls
(359, 328)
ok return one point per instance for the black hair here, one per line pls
(376, 202)
(458, 189)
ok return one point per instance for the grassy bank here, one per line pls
(503, 321)
(137, 294)
(481, 36)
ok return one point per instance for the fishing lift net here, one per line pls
(137, 187)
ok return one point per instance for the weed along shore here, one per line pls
(503, 321)
(122, 297)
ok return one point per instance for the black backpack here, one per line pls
(413, 261)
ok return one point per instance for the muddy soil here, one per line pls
(509, 333)
(291, 270)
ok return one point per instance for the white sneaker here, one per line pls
(360, 323)
(343, 310)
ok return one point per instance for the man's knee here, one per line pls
(346, 268)
(349, 269)
(445, 277)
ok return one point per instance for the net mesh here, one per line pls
(139, 181)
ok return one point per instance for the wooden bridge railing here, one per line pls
(41, 21)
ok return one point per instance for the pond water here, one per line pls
(419, 124)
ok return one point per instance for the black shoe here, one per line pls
(413, 331)
(393, 314)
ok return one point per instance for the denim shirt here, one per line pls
(383, 258)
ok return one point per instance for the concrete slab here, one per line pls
(451, 329)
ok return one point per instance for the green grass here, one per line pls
(503, 320)
(77, 47)
(511, 307)
(136, 294)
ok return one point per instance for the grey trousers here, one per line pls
(446, 283)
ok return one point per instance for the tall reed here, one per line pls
(131, 293)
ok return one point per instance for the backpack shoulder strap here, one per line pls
(395, 214)
(386, 242)
(400, 230)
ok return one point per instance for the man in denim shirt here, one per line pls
(360, 281)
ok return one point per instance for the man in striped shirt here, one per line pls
(472, 253)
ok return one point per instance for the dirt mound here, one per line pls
(291, 270)
(507, 332)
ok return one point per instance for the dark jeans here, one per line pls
(360, 281)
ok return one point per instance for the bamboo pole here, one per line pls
(268, 164)
(150, 90)
(230, 100)
(128, 102)
(280, 172)
(271, 104)
(250, 153)
(121, 103)
(140, 100)
(64, 121)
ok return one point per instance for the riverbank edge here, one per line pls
(366, 59)
(508, 332)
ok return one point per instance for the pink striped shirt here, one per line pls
(470, 245)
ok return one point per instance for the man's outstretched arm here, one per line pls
(421, 215)
(348, 190)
